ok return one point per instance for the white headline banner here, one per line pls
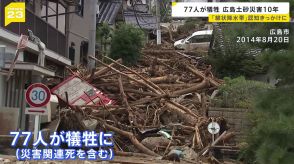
(202, 9)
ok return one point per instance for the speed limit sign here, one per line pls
(38, 95)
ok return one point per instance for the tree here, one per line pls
(230, 57)
(126, 44)
(239, 92)
(103, 34)
(271, 140)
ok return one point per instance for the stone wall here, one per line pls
(237, 120)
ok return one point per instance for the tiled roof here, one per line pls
(108, 10)
(146, 20)
(143, 8)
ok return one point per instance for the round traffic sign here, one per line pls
(213, 128)
(38, 95)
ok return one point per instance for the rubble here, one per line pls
(161, 103)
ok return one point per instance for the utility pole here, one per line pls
(158, 32)
(92, 33)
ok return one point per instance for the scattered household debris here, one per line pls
(74, 91)
(161, 106)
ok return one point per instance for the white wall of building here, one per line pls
(79, 28)
(10, 48)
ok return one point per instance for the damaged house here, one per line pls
(137, 13)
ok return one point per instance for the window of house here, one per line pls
(53, 18)
(84, 52)
(30, 57)
(71, 52)
(80, 8)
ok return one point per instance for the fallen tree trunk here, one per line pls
(161, 94)
(132, 118)
(171, 86)
(143, 78)
(140, 82)
(192, 89)
(103, 70)
(147, 100)
(187, 118)
(200, 74)
(164, 79)
(184, 108)
(131, 137)
(140, 92)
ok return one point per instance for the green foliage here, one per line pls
(127, 43)
(103, 36)
(190, 25)
(165, 11)
(230, 58)
(239, 92)
(271, 141)
(282, 62)
(103, 31)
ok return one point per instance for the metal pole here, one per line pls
(212, 137)
(36, 127)
(158, 32)
(92, 35)
(47, 3)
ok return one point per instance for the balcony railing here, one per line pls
(53, 39)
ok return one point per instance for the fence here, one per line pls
(237, 119)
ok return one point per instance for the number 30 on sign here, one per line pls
(38, 95)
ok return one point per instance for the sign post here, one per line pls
(213, 128)
(37, 96)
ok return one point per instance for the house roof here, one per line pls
(66, 2)
(108, 10)
(143, 8)
(147, 21)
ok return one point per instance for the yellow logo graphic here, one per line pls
(174, 3)
(15, 12)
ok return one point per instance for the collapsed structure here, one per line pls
(160, 105)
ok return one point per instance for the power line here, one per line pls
(136, 15)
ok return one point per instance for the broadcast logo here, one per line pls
(15, 12)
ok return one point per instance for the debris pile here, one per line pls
(160, 105)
